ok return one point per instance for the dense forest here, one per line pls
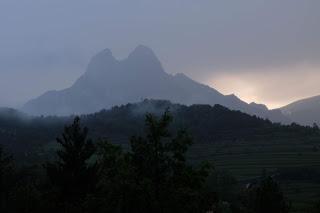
(153, 176)
(208, 124)
(156, 156)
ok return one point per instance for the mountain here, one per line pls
(305, 111)
(108, 82)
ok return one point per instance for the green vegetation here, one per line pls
(152, 177)
(238, 146)
(265, 197)
(72, 177)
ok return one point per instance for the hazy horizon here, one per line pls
(262, 51)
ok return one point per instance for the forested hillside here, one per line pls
(240, 147)
(208, 124)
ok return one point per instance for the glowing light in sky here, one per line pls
(274, 87)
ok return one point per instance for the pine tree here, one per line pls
(267, 197)
(167, 182)
(73, 175)
(5, 173)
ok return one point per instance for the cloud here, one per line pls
(275, 87)
(41, 38)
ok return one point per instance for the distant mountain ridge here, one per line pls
(305, 111)
(108, 82)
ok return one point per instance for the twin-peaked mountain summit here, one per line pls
(108, 82)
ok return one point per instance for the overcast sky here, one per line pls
(265, 51)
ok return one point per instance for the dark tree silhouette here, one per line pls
(6, 172)
(73, 176)
(267, 197)
(116, 187)
(167, 183)
(315, 208)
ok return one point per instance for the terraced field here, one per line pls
(246, 160)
